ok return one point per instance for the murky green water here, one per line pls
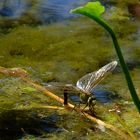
(63, 52)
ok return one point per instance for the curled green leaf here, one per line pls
(92, 7)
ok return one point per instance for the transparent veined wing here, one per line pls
(90, 80)
(62, 87)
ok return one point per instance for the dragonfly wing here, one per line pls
(83, 81)
(61, 87)
(90, 80)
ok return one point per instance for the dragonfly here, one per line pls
(86, 84)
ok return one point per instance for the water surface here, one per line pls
(55, 46)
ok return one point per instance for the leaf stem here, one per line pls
(119, 53)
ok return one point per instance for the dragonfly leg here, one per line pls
(65, 98)
(85, 106)
(91, 104)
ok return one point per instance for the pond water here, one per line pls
(54, 46)
(43, 10)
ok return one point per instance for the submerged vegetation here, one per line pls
(97, 76)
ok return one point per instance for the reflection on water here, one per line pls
(103, 95)
(44, 10)
(13, 8)
(55, 10)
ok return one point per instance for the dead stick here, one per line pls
(46, 92)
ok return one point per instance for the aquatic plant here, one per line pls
(93, 10)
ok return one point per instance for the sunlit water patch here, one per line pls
(47, 11)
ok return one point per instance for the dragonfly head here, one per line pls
(91, 100)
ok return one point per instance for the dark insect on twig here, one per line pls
(86, 84)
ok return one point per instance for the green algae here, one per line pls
(37, 45)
